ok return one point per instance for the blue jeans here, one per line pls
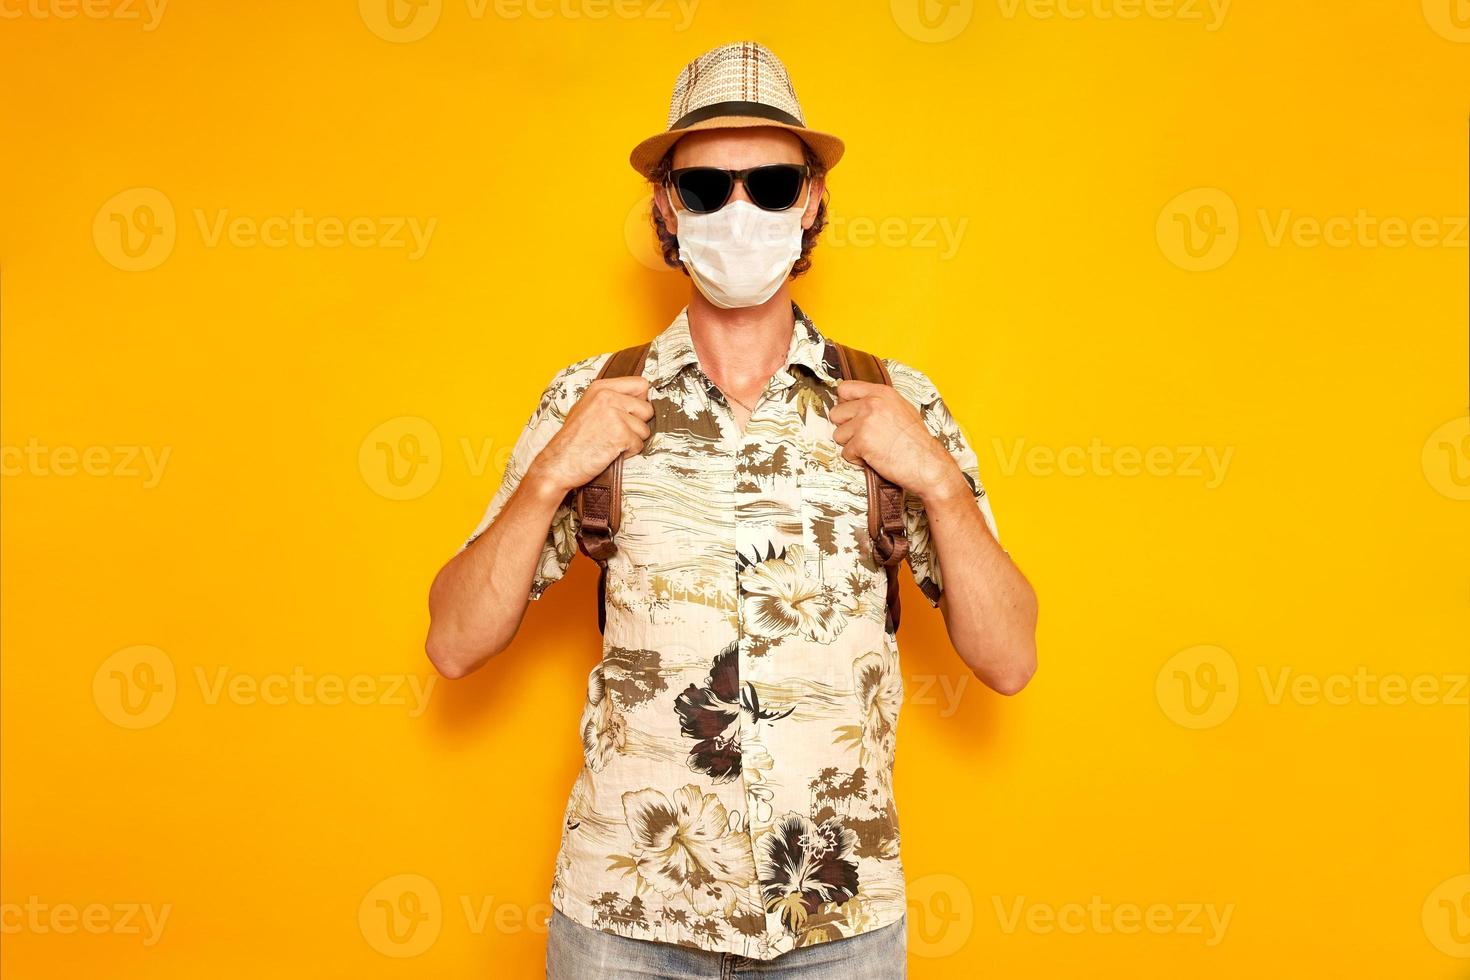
(577, 952)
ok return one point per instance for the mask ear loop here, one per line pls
(675, 203)
(805, 204)
(672, 196)
(826, 193)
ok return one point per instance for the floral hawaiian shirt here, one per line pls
(738, 734)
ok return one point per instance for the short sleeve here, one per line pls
(916, 387)
(546, 421)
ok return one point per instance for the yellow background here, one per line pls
(1154, 764)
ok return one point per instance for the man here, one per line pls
(735, 802)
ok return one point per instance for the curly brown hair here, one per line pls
(669, 243)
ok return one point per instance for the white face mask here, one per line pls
(739, 255)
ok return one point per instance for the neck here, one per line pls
(741, 349)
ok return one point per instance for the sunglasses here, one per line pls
(772, 187)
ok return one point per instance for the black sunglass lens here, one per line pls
(704, 189)
(774, 188)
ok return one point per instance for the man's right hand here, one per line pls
(609, 420)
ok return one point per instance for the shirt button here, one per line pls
(758, 806)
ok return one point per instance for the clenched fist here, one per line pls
(878, 427)
(609, 420)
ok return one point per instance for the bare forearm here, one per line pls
(478, 599)
(989, 607)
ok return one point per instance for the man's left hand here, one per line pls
(876, 426)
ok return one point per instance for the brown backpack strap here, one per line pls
(599, 501)
(885, 499)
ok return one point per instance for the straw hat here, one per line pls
(734, 85)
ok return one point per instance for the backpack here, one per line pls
(599, 502)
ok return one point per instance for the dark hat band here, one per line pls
(758, 110)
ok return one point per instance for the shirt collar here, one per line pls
(673, 350)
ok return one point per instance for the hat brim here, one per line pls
(646, 155)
